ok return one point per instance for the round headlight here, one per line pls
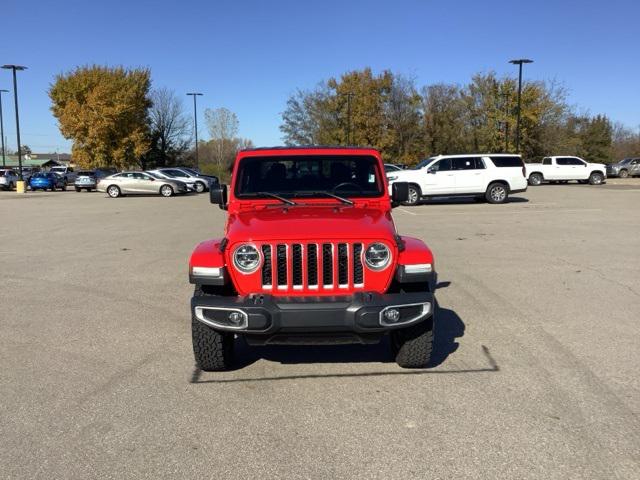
(246, 258)
(377, 256)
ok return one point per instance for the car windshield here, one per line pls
(423, 163)
(626, 160)
(190, 171)
(86, 174)
(309, 176)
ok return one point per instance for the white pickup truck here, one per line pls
(563, 169)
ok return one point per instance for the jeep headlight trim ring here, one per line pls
(377, 256)
(246, 258)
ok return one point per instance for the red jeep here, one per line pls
(310, 255)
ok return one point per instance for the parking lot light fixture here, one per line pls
(20, 187)
(195, 123)
(4, 164)
(519, 62)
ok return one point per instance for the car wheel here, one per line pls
(199, 187)
(497, 193)
(596, 178)
(535, 179)
(212, 349)
(78, 189)
(623, 174)
(113, 191)
(414, 196)
(166, 190)
(412, 346)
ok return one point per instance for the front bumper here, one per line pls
(359, 317)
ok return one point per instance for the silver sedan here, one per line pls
(127, 183)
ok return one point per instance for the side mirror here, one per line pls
(399, 193)
(219, 196)
(431, 170)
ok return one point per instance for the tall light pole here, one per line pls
(15, 68)
(349, 96)
(195, 122)
(2, 127)
(506, 121)
(519, 62)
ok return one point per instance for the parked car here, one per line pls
(311, 255)
(28, 172)
(8, 179)
(65, 172)
(629, 167)
(87, 180)
(564, 169)
(390, 167)
(46, 181)
(213, 180)
(126, 183)
(492, 177)
(195, 181)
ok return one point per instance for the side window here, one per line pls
(563, 161)
(443, 165)
(546, 161)
(575, 161)
(480, 163)
(634, 162)
(464, 163)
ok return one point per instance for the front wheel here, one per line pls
(412, 346)
(199, 187)
(414, 196)
(535, 179)
(596, 178)
(623, 174)
(113, 191)
(166, 190)
(497, 193)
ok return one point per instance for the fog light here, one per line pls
(236, 318)
(392, 315)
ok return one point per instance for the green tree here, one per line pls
(104, 111)
(596, 139)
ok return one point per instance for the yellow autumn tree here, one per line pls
(104, 111)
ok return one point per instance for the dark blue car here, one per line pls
(46, 181)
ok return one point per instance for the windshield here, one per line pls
(86, 174)
(57, 169)
(300, 176)
(423, 163)
(191, 172)
(626, 160)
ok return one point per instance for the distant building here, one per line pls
(11, 161)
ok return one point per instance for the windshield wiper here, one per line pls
(273, 195)
(332, 195)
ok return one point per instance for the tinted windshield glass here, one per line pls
(423, 163)
(345, 175)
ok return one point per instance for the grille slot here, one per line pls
(312, 264)
(281, 257)
(266, 266)
(296, 255)
(327, 264)
(358, 274)
(343, 264)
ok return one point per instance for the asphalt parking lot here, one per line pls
(535, 373)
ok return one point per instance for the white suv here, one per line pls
(492, 177)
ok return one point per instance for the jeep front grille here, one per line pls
(325, 266)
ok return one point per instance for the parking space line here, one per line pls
(407, 211)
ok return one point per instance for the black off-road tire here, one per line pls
(412, 346)
(213, 350)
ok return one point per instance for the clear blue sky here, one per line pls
(249, 56)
